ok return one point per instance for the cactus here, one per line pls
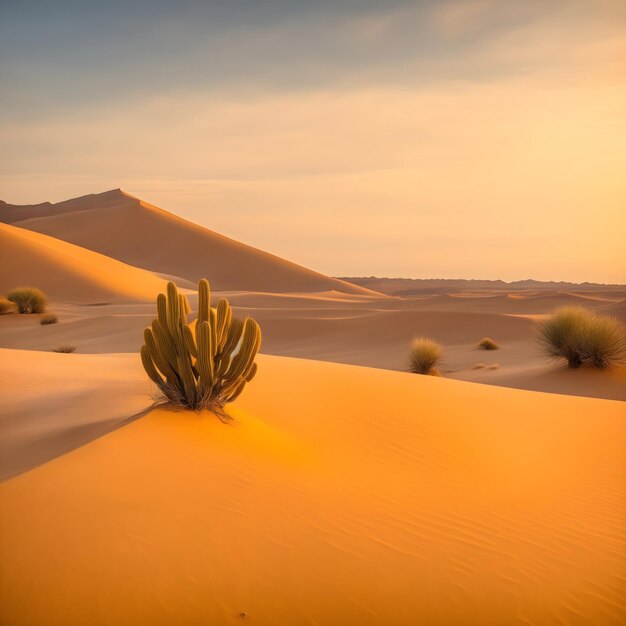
(201, 365)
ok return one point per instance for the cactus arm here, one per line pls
(183, 305)
(236, 393)
(189, 382)
(165, 342)
(213, 329)
(205, 360)
(250, 344)
(252, 373)
(204, 300)
(173, 307)
(162, 308)
(190, 342)
(148, 365)
(155, 354)
(234, 335)
(224, 315)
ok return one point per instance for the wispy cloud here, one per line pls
(405, 138)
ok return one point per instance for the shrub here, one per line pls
(28, 299)
(205, 367)
(51, 318)
(583, 338)
(6, 306)
(424, 356)
(65, 348)
(487, 343)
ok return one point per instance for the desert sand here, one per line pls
(69, 273)
(338, 494)
(98, 250)
(126, 228)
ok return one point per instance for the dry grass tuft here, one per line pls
(424, 357)
(65, 349)
(50, 318)
(582, 337)
(28, 299)
(487, 343)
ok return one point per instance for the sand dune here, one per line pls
(344, 328)
(53, 403)
(135, 232)
(68, 272)
(339, 495)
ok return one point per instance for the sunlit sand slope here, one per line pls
(68, 272)
(339, 495)
(126, 228)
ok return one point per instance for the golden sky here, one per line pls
(465, 138)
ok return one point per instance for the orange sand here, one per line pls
(339, 495)
(126, 228)
(68, 272)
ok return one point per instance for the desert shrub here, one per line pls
(65, 348)
(424, 356)
(28, 299)
(203, 367)
(6, 306)
(487, 343)
(583, 338)
(50, 318)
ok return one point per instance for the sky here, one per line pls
(440, 138)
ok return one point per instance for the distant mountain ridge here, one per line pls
(413, 286)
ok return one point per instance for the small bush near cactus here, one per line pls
(583, 338)
(51, 318)
(28, 299)
(487, 343)
(424, 356)
(65, 348)
(6, 306)
(203, 367)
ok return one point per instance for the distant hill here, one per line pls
(416, 286)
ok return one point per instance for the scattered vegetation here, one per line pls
(50, 318)
(65, 348)
(478, 366)
(6, 306)
(205, 367)
(487, 343)
(28, 299)
(425, 356)
(583, 338)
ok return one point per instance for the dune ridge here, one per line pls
(126, 228)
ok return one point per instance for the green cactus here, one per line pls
(202, 365)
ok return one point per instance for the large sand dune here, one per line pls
(68, 272)
(339, 495)
(123, 227)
